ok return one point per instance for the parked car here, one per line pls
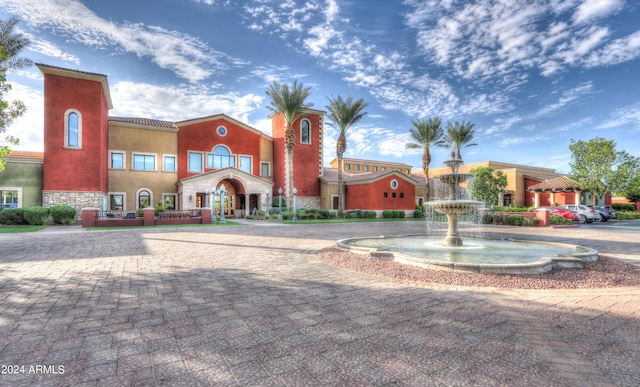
(556, 211)
(586, 214)
(609, 209)
(602, 215)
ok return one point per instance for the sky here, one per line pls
(531, 75)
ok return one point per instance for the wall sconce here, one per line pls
(190, 198)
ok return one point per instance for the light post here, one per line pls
(223, 192)
(280, 203)
(294, 219)
(213, 205)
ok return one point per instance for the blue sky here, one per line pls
(530, 74)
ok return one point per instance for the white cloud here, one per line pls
(628, 116)
(595, 9)
(185, 55)
(176, 103)
(29, 128)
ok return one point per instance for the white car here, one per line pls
(587, 215)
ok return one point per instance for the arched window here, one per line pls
(221, 158)
(72, 129)
(305, 132)
(144, 199)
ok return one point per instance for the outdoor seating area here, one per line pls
(93, 217)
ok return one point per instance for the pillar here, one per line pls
(536, 199)
(577, 197)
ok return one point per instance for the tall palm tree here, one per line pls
(459, 135)
(12, 43)
(290, 102)
(342, 115)
(427, 134)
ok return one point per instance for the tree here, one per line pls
(11, 44)
(342, 115)
(632, 193)
(487, 184)
(427, 134)
(459, 135)
(290, 102)
(599, 168)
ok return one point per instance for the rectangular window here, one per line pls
(169, 164)
(170, 202)
(9, 199)
(393, 195)
(220, 161)
(195, 162)
(347, 166)
(386, 195)
(375, 169)
(116, 202)
(264, 169)
(334, 202)
(366, 168)
(144, 162)
(245, 163)
(357, 167)
(117, 160)
(401, 195)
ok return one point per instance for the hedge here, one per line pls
(12, 216)
(623, 207)
(37, 215)
(559, 220)
(63, 214)
(393, 214)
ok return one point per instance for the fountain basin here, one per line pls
(478, 255)
(454, 207)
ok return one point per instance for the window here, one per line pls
(347, 166)
(9, 198)
(264, 169)
(144, 162)
(357, 167)
(245, 164)
(72, 129)
(220, 158)
(366, 168)
(375, 169)
(170, 202)
(117, 160)
(144, 199)
(393, 195)
(222, 131)
(385, 195)
(305, 132)
(169, 163)
(334, 202)
(401, 195)
(116, 202)
(195, 162)
(393, 184)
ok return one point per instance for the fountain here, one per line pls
(482, 255)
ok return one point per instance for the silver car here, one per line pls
(586, 214)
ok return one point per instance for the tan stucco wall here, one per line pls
(133, 139)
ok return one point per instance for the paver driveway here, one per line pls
(251, 305)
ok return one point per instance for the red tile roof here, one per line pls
(143, 122)
(558, 184)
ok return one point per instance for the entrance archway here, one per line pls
(230, 200)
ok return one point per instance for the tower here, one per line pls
(76, 106)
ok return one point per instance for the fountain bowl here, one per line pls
(452, 207)
(482, 255)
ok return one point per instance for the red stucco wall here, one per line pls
(70, 169)
(203, 137)
(371, 196)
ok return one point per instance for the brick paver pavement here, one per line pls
(251, 305)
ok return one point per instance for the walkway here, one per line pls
(251, 305)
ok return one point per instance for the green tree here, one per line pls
(342, 115)
(291, 103)
(427, 134)
(11, 43)
(599, 168)
(459, 135)
(632, 192)
(487, 184)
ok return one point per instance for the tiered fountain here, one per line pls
(454, 205)
(497, 256)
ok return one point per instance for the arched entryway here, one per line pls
(230, 202)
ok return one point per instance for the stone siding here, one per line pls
(78, 200)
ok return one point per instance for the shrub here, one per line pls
(62, 214)
(371, 215)
(559, 220)
(621, 215)
(158, 208)
(387, 214)
(12, 216)
(36, 215)
(418, 214)
(140, 212)
(623, 207)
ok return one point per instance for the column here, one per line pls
(577, 197)
(536, 199)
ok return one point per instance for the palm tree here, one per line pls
(427, 134)
(459, 135)
(290, 102)
(343, 114)
(12, 43)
